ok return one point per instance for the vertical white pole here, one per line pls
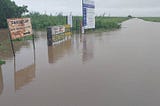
(82, 27)
(83, 30)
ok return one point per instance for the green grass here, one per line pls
(42, 21)
(24, 38)
(109, 22)
(2, 62)
(152, 19)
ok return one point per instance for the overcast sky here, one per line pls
(109, 7)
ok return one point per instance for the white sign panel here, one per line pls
(90, 2)
(88, 14)
(90, 18)
(58, 29)
(19, 27)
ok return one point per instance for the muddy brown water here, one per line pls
(116, 68)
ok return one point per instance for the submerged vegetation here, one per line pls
(2, 62)
(152, 19)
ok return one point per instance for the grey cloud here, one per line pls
(127, 3)
(114, 7)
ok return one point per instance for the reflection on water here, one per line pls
(86, 45)
(40, 34)
(87, 48)
(55, 52)
(1, 81)
(24, 76)
(5, 46)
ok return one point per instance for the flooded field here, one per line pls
(116, 68)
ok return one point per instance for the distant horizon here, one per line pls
(81, 15)
(67, 13)
(113, 8)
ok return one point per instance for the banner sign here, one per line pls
(19, 27)
(58, 34)
(88, 14)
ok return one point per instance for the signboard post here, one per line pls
(69, 20)
(18, 28)
(12, 46)
(88, 8)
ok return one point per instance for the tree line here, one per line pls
(9, 9)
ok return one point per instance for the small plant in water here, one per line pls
(24, 38)
(2, 62)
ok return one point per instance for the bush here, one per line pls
(109, 22)
(41, 21)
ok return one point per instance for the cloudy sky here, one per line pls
(109, 7)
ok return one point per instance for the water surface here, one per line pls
(116, 68)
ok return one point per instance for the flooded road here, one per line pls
(116, 68)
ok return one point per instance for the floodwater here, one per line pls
(116, 68)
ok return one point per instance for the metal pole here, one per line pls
(66, 20)
(33, 41)
(76, 25)
(83, 10)
(12, 46)
(14, 74)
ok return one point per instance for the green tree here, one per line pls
(8, 9)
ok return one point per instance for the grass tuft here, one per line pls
(2, 62)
